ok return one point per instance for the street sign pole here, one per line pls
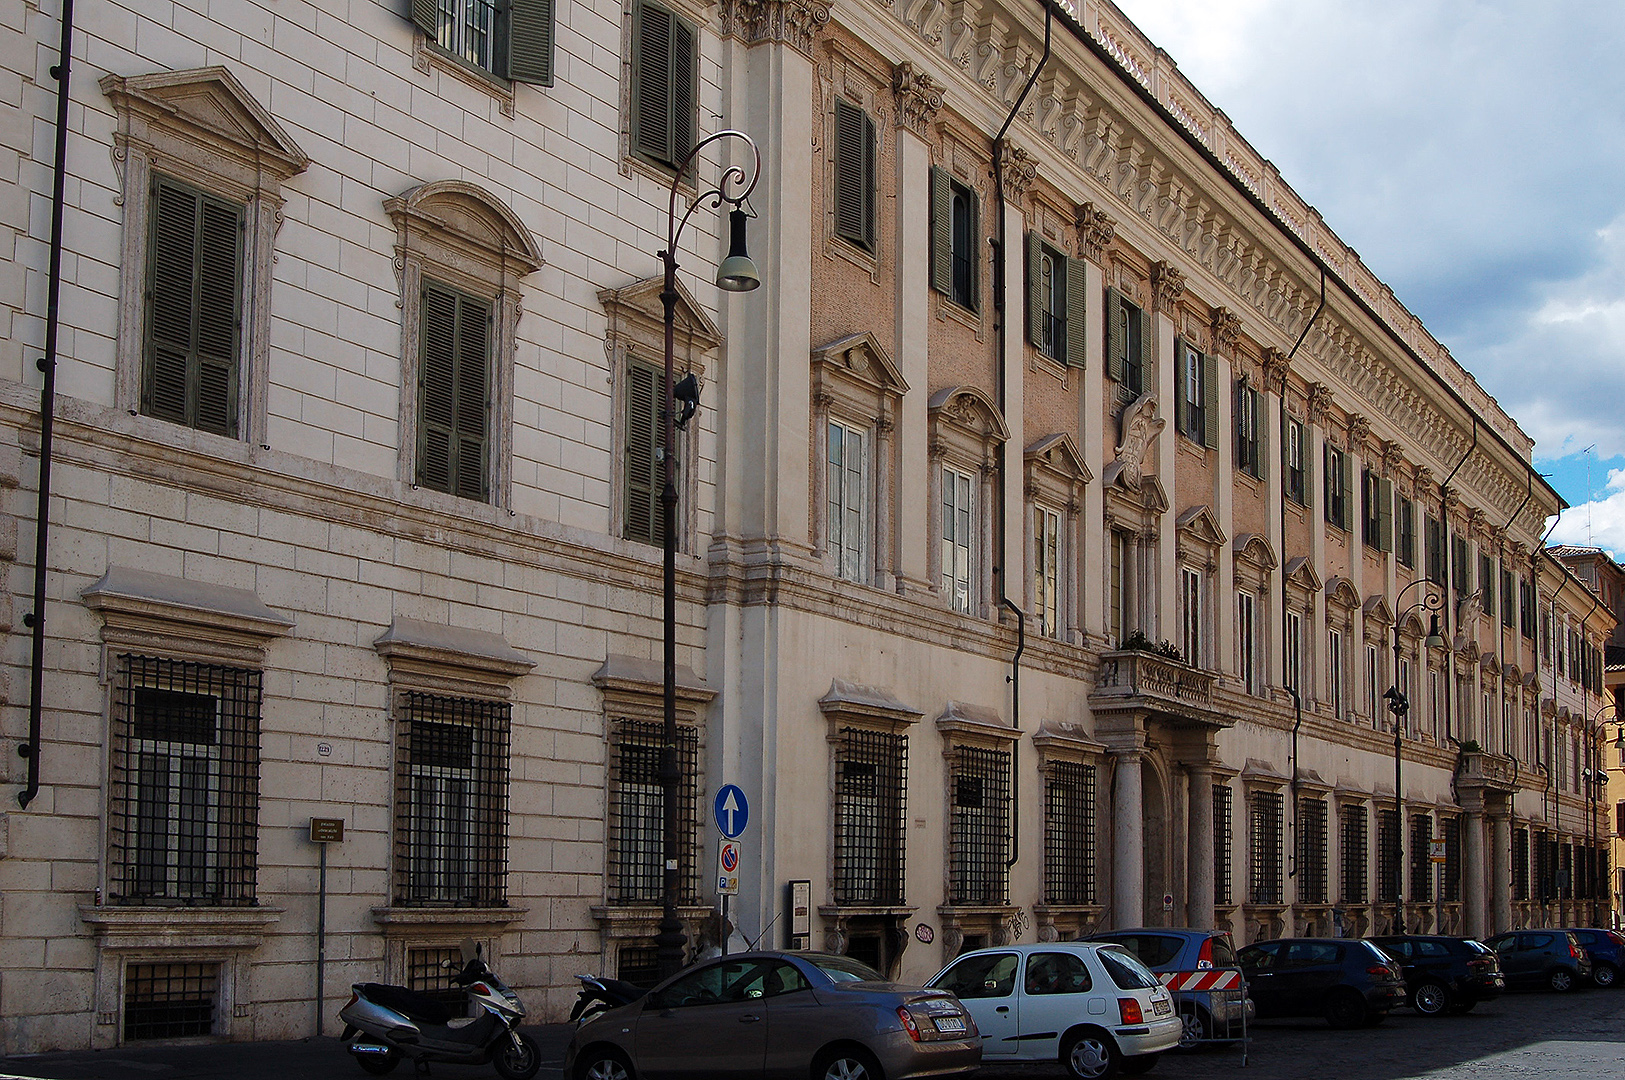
(323, 831)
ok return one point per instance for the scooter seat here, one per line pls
(409, 1003)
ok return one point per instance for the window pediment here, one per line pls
(861, 360)
(634, 687)
(1301, 574)
(872, 706)
(152, 612)
(450, 659)
(469, 223)
(969, 410)
(1199, 534)
(1377, 611)
(1255, 549)
(1055, 465)
(1341, 591)
(636, 315)
(975, 724)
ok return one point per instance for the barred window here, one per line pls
(427, 974)
(1544, 868)
(1421, 866)
(451, 801)
(1387, 855)
(1223, 838)
(184, 783)
(979, 789)
(637, 807)
(870, 786)
(1451, 829)
(1069, 833)
(1312, 851)
(170, 1001)
(1520, 864)
(1354, 854)
(1266, 847)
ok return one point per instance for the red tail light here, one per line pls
(1574, 952)
(1204, 959)
(1129, 1010)
(909, 1025)
(1380, 972)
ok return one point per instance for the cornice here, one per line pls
(787, 22)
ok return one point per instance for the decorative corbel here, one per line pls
(918, 97)
(1096, 229)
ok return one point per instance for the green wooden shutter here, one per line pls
(1308, 465)
(473, 397)
(652, 36)
(683, 96)
(1346, 510)
(1116, 335)
(425, 15)
(1077, 312)
(530, 40)
(1182, 402)
(942, 232)
(871, 185)
(643, 513)
(1036, 300)
(854, 166)
(1385, 515)
(171, 262)
(1261, 428)
(437, 379)
(1210, 403)
(219, 317)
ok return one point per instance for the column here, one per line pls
(915, 107)
(1500, 872)
(1199, 894)
(1128, 842)
(1473, 875)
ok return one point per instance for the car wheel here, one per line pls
(1430, 999)
(1193, 1028)
(1561, 980)
(1091, 1056)
(378, 1064)
(1139, 1063)
(604, 1063)
(518, 1059)
(1345, 1009)
(852, 1064)
(1604, 975)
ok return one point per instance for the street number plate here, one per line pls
(952, 1024)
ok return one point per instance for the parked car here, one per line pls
(1349, 982)
(1606, 949)
(1444, 974)
(1093, 1007)
(1204, 1014)
(783, 1016)
(1531, 959)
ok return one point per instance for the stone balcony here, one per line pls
(1490, 774)
(1134, 681)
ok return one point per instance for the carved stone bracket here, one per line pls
(787, 22)
(1320, 399)
(1423, 477)
(918, 98)
(1226, 330)
(1167, 285)
(1392, 457)
(1359, 430)
(1096, 230)
(1020, 170)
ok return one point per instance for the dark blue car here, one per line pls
(1607, 950)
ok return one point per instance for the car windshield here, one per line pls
(1126, 970)
(844, 969)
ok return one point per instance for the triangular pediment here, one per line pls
(863, 357)
(1198, 523)
(1255, 548)
(207, 102)
(1377, 609)
(970, 408)
(1059, 453)
(638, 305)
(1300, 573)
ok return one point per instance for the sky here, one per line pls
(1473, 153)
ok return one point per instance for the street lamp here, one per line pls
(1433, 602)
(736, 274)
(1596, 778)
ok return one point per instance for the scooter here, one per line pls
(383, 1024)
(599, 995)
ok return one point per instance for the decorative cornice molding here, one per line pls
(918, 97)
(787, 22)
(1097, 229)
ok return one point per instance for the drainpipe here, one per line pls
(1014, 679)
(1445, 586)
(35, 619)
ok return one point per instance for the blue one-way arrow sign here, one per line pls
(732, 811)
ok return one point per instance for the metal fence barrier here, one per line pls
(1218, 996)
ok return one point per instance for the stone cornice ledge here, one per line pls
(150, 611)
(452, 657)
(974, 722)
(179, 928)
(410, 921)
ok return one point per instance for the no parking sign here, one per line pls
(728, 868)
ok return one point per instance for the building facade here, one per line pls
(1045, 530)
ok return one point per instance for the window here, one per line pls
(1434, 541)
(1198, 395)
(870, 788)
(1334, 671)
(1388, 867)
(1047, 548)
(184, 783)
(663, 85)
(1191, 615)
(1223, 838)
(1377, 513)
(1354, 854)
(451, 801)
(1295, 476)
(1486, 582)
(511, 39)
(1312, 851)
(1405, 548)
(1056, 292)
(1119, 587)
(958, 520)
(1126, 345)
(1294, 651)
(191, 371)
(1411, 722)
(1462, 568)
(170, 1001)
(1337, 487)
(1247, 641)
(1450, 827)
(637, 806)
(1545, 636)
(847, 483)
(854, 175)
(1421, 868)
(1250, 429)
(1069, 833)
(1373, 684)
(954, 265)
(978, 841)
(1266, 847)
(454, 392)
(1520, 863)
(1508, 611)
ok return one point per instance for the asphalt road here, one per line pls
(1578, 1036)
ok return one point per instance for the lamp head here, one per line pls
(1435, 640)
(1619, 738)
(737, 272)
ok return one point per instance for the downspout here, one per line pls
(35, 619)
(1449, 610)
(1001, 326)
(1511, 753)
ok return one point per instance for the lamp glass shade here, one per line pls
(737, 272)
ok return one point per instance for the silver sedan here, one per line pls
(772, 1015)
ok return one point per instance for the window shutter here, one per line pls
(530, 39)
(1035, 291)
(854, 169)
(425, 15)
(1145, 325)
(1385, 515)
(942, 232)
(870, 182)
(1286, 447)
(1077, 311)
(1210, 402)
(652, 134)
(1182, 382)
(1326, 480)
(1308, 465)
(172, 253)
(473, 397)
(1345, 510)
(219, 259)
(1116, 335)
(437, 377)
(683, 101)
(1261, 429)
(643, 515)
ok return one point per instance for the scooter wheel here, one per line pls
(378, 1064)
(518, 1062)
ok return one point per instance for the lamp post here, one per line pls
(1596, 778)
(736, 274)
(1431, 601)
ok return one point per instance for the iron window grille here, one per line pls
(871, 781)
(638, 965)
(1069, 833)
(1544, 885)
(427, 974)
(1354, 854)
(1223, 838)
(451, 801)
(1520, 864)
(170, 1001)
(979, 836)
(183, 783)
(1421, 865)
(1312, 851)
(1451, 890)
(1266, 845)
(637, 808)
(1387, 855)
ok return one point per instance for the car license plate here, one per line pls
(954, 1025)
(1161, 1007)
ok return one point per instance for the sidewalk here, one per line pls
(304, 1059)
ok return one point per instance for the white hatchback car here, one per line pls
(1094, 1008)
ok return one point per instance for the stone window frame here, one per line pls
(458, 234)
(1302, 584)
(201, 127)
(1198, 539)
(1268, 919)
(1254, 563)
(965, 725)
(1136, 510)
(1070, 743)
(1343, 604)
(963, 430)
(1056, 476)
